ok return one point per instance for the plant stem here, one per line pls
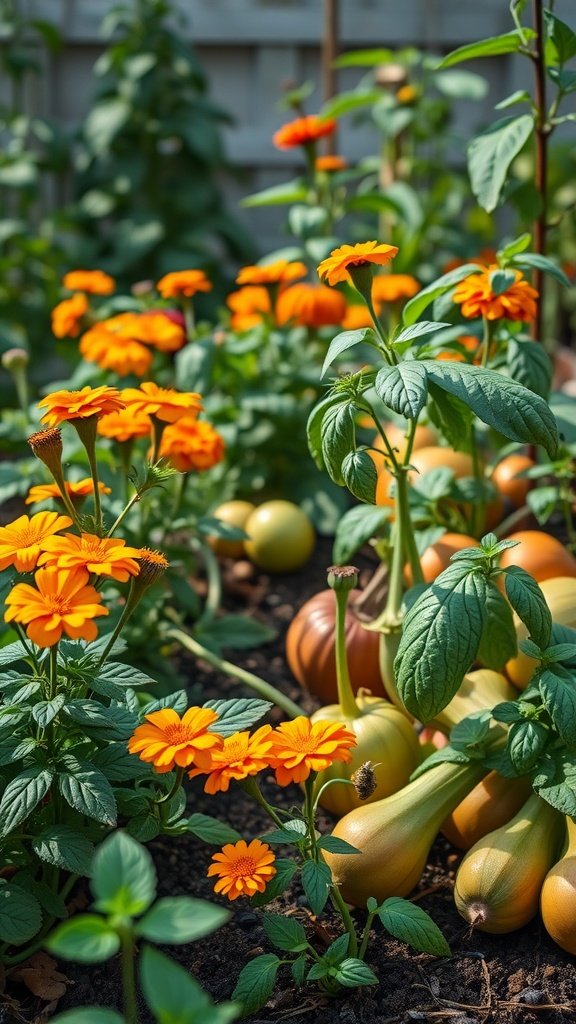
(339, 905)
(173, 789)
(214, 580)
(53, 671)
(541, 132)
(346, 698)
(366, 934)
(130, 504)
(128, 977)
(251, 787)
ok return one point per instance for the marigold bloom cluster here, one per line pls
(330, 163)
(241, 755)
(393, 288)
(309, 305)
(249, 305)
(242, 868)
(183, 284)
(163, 403)
(67, 316)
(75, 489)
(63, 406)
(95, 282)
(62, 602)
(125, 425)
(336, 267)
(103, 556)
(475, 296)
(192, 445)
(125, 343)
(301, 747)
(303, 131)
(22, 541)
(276, 273)
(168, 741)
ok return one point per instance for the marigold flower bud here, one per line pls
(152, 565)
(15, 359)
(342, 577)
(47, 446)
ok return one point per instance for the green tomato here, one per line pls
(233, 513)
(280, 536)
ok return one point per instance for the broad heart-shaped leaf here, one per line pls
(87, 790)
(238, 714)
(357, 526)
(403, 388)
(509, 407)
(338, 431)
(174, 996)
(360, 475)
(534, 261)
(346, 340)
(211, 830)
(352, 973)
(559, 696)
(530, 365)
(44, 711)
(314, 425)
(86, 938)
(498, 643)
(65, 847)
(21, 796)
(491, 153)
(123, 876)
(285, 932)
(416, 306)
(509, 42)
(316, 881)
(554, 779)
(440, 640)
(529, 603)
(177, 919)
(527, 741)
(411, 924)
(20, 914)
(256, 981)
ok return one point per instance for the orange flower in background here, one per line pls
(407, 94)
(75, 489)
(168, 741)
(485, 257)
(67, 316)
(166, 404)
(183, 283)
(249, 305)
(22, 541)
(62, 406)
(240, 756)
(111, 351)
(302, 131)
(475, 296)
(392, 287)
(158, 330)
(242, 868)
(61, 602)
(335, 268)
(124, 425)
(300, 747)
(356, 316)
(103, 556)
(95, 282)
(310, 305)
(330, 163)
(192, 445)
(278, 272)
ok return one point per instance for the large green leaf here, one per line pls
(65, 847)
(178, 919)
(20, 914)
(86, 938)
(403, 388)
(509, 42)
(256, 982)
(22, 795)
(360, 475)
(529, 603)
(346, 340)
(558, 693)
(357, 526)
(88, 791)
(338, 431)
(411, 924)
(123, 876)
(498, 643)
(416, 306)
(491, 153)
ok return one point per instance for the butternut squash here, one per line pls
(490, 804)
(498, 884)
(558, 896)
(394, 835)
(480, 689)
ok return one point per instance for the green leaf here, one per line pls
(542, 501)
(514, 247)
(418, 330)
(123, 876)
(314, 426)
(337, 950)
(470, 734)
(403, 388)
(86, 938)
(211, 830)
(88, 791)
(316, 881)
(345, 103)
(105, 121)
(559, 696)
(461, 85)
(89, 1015)
(293, 831)
(555, 781)
(452, 417)
(20, 914)
(440, 640)
(118, 765)
(336, 845)
(22, 795)
(45, 711)
(409, 923)
(416, 306)
(278, 195)
(501, 281)
(285, 932)
(491, 153)
(12, 653)
(256, 982)
(566, 81)
(285, 871)
(346, 340)
(498, 643)
(360, 475)
(529, 603)
(238, 714)
(562, 38)
(527, 741)
(518, 96)
(338, 431)
(508, 711)
(237, 631)
(509, 42)
(530, 365)
(357, 526)
(174, 996)
(353, 973)
(298, 968)
(534, 261)
(177, 919)
(64, 847)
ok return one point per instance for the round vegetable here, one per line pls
(560, 594)
(424, 460)
(507, 482)
(280, 536)
(436, 558)
(539, 554)
(232, 513)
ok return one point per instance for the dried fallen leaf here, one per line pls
(41, 977)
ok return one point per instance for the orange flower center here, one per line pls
(236, 750)
(27, 536)
(244, 867)
(177, 733)
(303, 744)
(58, 603)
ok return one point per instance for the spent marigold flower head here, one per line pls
(242, 868)
(22, 541)
(153, 564)
(241, 755)
(310, 305)
(476, 297)
(103, 556)
(63, 406)
(183, 283)
(301, 746)
(95, 282)
(111, 350)
(124, 425)
(393, 287)
(278, 272)
(168, 741)
(47, 446)
(62, 602)
(192, 445)
(75, 489)
(303, 131)
(250, 305)
(165, 404)
(336, 267)
(67, 316)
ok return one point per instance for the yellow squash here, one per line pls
(560, 594)
(479, 690)
(490, 804)
(558, 896)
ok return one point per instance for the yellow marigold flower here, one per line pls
(242, 868)
(95, 282)
(75, 489)
(407, 94)
(330, 163)
(300, 747)
(164, 403)
(392, 287)
(249, 305)
(62, 406)
(104, 556)
(192, 445)
(112, 351)
(67, 316)
(22, 541)
(302, 131)
(124, 425)
(183, 283)
(241, 755)
(168, 741)
(476, 297)
(61, 602)
(279, 272)
(310, 305)
(334, 269)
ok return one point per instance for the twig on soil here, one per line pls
(446, 883)
(496, 1005)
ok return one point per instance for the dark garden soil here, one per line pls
(522, 978)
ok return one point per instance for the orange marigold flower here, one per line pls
(67, 316)
(168, 741)
(392, 287)
(302, 131)
(22, 541)
(164, 403)
(192, 444)
(407, 94)
(334, 269)
(310, 305)
(356, 316)
(156, 328)
(62, 406)
(278, 272)
(249, 305)
(240, 756)
(112, 351)
(329, 163)
(300, 747)
(95, 282)
(475, 295)
(61, 602)
(104, 556)
(242, 868)
(75, 489)
(183, 283)
(124, 425)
